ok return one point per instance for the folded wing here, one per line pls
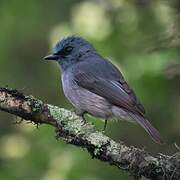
(115, 89)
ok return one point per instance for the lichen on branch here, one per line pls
(73, 130)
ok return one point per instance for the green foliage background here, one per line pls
(141, 36)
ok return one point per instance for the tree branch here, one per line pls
(72, 129)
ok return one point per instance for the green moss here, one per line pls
(70, 120)
(97, 138)
(55, 112)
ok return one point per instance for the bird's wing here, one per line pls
(112, 87)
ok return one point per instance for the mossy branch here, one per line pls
(72, 129)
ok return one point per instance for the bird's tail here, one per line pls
(155, 135)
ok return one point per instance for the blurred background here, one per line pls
(141, 36)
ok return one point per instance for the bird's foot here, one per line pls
(81, 114)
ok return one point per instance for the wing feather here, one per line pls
(116, 92)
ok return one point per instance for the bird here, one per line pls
(95, 86)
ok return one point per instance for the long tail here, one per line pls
(155, 135)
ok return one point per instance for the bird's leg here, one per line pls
(81, 114)
(105, 125)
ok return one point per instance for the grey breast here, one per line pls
(83, 99)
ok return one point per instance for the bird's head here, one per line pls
(70, 50)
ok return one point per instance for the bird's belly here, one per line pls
(85, 100)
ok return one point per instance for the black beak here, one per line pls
(52, 57)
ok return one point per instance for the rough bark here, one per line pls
(73, 130)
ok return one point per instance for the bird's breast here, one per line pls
(83, 99)
(68, 85)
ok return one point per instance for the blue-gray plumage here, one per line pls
(95, 86)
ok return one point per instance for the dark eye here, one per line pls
(67, 49)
